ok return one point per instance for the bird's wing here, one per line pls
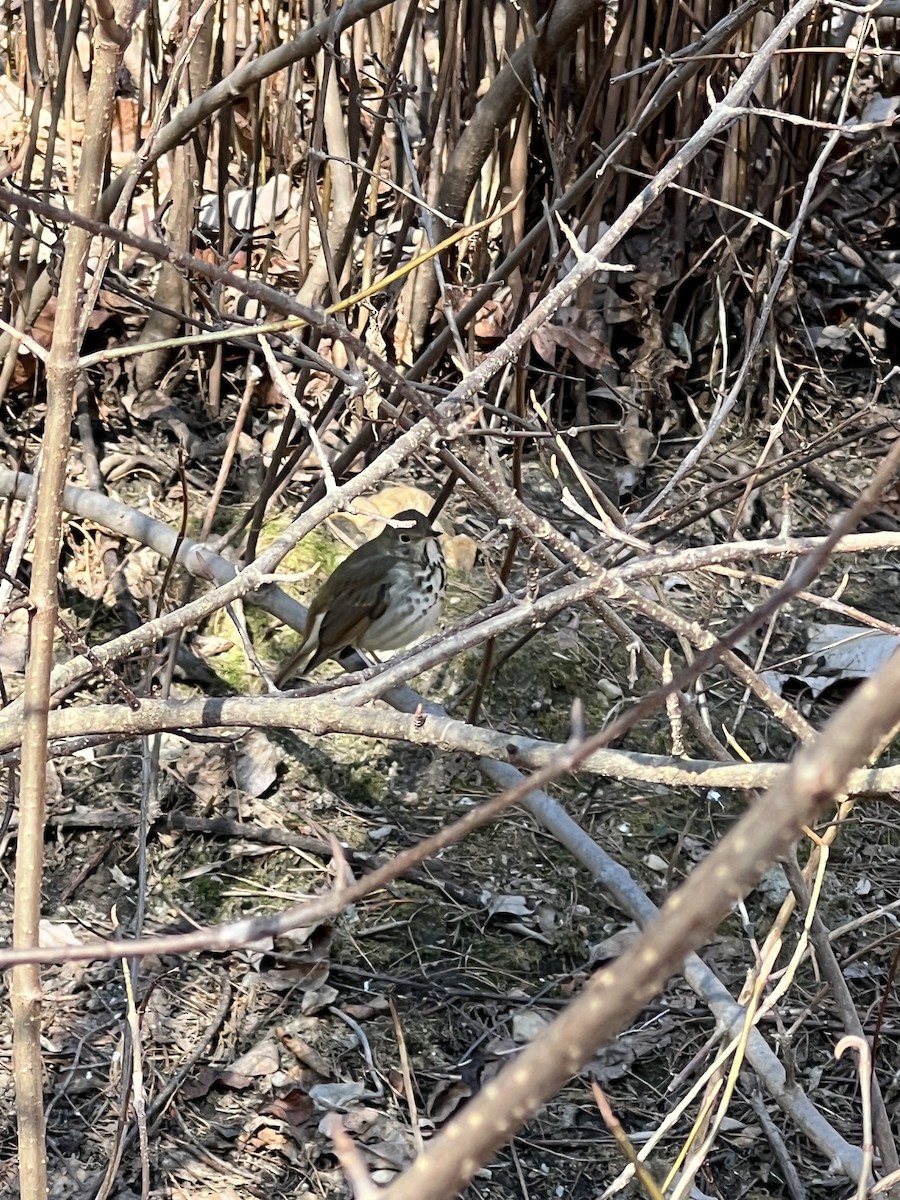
(361, 603)
(331, 627)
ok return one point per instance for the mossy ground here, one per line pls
(493, 928)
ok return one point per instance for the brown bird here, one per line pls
(386, 594)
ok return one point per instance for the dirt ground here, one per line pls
(385, 1021)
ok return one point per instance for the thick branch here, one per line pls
(323, 715)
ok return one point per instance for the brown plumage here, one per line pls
(383, 596)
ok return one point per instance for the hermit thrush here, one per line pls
(385, 595)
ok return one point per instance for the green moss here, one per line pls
(364, 783)
(318, 553)
(225, 518)
(315, 557)
(365, 786)
(360, 772)
(206, 892)
(231, 665)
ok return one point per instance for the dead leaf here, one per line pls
(304, 1052)
(577, 331)
(529, 1024)
(460, 552)
(202, 768)
(295, 1108)
(308, 976)
(207, 1077)
(256, 768)
(492, 321)
(263, 1134)
(446, 1099)
(328, 1096)
(262, 1059)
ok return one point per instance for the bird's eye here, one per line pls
(404, 537)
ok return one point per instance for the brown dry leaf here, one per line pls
(460, 552)
(308, 976)
(14, 642)
(262, 1059)
(362, 1012)
(446, 1098)
(42, 332)
(492, 320)
(306, 1054)
(263, 1133)
(124, 132)
(256, 768)
(52, 934)
(295, 1108)
(577, 330)
(204, 769)
(199, 1085)
(310, 951)
(386, 503)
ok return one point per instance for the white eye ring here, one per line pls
(404, 537)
